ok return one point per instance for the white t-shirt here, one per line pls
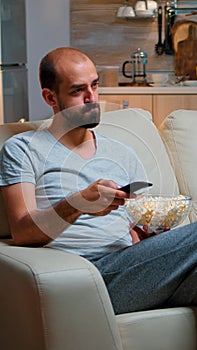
(57, 172)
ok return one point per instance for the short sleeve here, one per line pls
(15, 162)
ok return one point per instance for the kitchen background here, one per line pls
(46, 25)
(88, 25)
(109, 40)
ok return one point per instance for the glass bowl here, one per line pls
(157, 212)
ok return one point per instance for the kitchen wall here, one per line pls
(90, 25)
(109, 40)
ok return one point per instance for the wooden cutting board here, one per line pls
(184, 34)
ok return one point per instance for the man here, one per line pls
(61, 190)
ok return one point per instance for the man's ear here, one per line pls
(49, 97)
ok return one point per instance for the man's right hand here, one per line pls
(98, 199)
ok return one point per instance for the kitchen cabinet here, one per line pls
(165, 104)
(159, 101)
(130, 101)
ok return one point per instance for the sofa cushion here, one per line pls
(4, 226)
(134, 127)
(166, 329)
(179, 133)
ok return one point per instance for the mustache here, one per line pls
(89, 106)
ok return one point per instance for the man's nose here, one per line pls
(89, 96)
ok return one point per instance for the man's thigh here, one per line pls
(147, 274)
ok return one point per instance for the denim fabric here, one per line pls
(158, 272)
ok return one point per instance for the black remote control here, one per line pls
(135, 186)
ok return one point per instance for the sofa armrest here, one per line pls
(50, 300)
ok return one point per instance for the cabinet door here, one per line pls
(129, 101)
(165, 104)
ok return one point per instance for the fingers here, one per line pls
(108, 183)
(109, 189)
(135, 236)
(142, 233)
(100, 198)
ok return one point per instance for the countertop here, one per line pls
(149, 90)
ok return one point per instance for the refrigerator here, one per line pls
(13, 62)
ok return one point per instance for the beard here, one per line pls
(85, 116)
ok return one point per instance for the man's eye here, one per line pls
(77, 91)
(95, 85)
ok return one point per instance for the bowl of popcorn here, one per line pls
(158, 212)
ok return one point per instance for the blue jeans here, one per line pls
(158, 272)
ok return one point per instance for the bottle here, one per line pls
(125, 104)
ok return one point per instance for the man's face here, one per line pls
(77, 97)
(86, 116)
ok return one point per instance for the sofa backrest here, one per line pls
(179, 133)
(135, 128)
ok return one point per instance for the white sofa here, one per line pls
(51, 300)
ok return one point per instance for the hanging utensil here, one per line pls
(169, 21)
(159, 47)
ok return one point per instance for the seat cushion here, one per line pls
(179, 133)
(166, 329)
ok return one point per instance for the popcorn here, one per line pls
(158, 212)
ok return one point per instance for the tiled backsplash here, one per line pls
(109, 40)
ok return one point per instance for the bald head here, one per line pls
(56, 61)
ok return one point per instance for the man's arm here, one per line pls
(32, 227)
(28, 225)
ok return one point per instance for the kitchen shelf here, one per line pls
(139, 17)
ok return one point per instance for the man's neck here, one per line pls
(80, 140)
